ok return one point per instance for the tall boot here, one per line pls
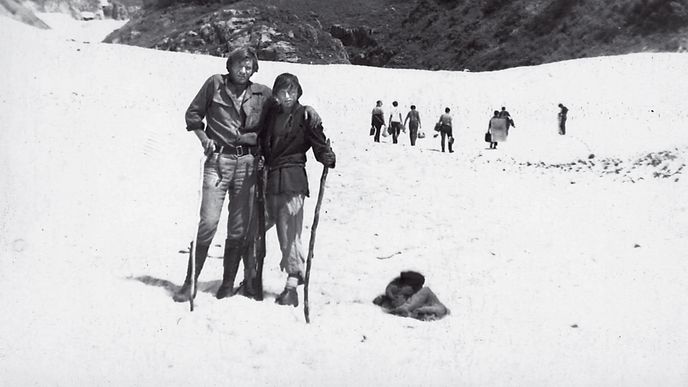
(250, 273)
(184, 293)
(231, 259)
(451, 142)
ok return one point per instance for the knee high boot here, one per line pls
(231, 259)
(250, 272)
(184, 293)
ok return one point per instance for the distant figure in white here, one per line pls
(395, 122)
(498, 129)
(563, 110)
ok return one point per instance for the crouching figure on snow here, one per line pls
(406, 296)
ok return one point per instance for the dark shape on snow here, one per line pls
(406, 296)
(170, 287)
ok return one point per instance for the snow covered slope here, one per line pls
(560, 268)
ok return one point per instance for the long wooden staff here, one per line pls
(311, 244)
(192, 247)
(260, 253)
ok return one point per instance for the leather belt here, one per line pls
(238, 150)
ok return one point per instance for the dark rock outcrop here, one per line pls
(277, 35)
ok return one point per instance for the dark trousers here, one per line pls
(395, 127)
(377, 126)
(562, 126)
(413, 133)
(446, 131)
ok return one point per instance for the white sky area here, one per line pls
(559, 269)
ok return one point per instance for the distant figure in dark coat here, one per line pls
(405, 296)
(377, 120)
(562, 119)
(509, 121)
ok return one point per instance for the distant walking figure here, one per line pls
(413, 119)
(377, 120)
(498, 128)
(395, 122)
(445, 129)
(509, 121)
(562, 119)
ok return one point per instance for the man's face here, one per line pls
(286, 97)
(241, 72)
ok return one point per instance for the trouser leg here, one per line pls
(213, 195)
(241, 225)
(184, 293)
(288, 212)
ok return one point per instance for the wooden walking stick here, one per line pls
(192, 247)
(311, 244)
(260, 253)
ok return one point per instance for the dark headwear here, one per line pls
(241, 54)
(447, 110)
(412, 279)
(286, 81)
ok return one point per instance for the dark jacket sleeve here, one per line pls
(198, 108)
(315, 136)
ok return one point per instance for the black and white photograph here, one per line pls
(343, 193)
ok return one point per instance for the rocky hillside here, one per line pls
(113, 9)
(428, 34)
(278, 35)
(496, 34)
(17, 11)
